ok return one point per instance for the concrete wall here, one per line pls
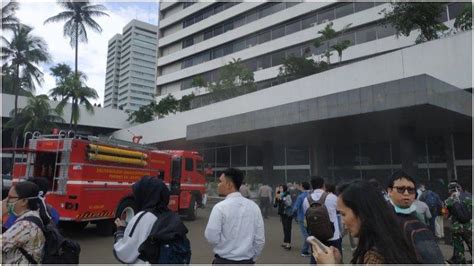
(103, 117)
(448, 60)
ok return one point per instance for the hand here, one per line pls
(120, 223)
(322, 257)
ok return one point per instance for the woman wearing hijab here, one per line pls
(152, 198)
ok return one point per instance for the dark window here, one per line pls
(326, 16)
(229, 26)
(240, 45)
(348, 36)
(344, 10)
(186, 84)
(290, 4)
(218, 8)
(455, 9)
(189, 166)
(293, 27)
(251, 64)
(239, 21)
(187, 63)
(188, 42)
(251, 17)
(385, 31)
(228, 49)
(264, 37)
(208, 35)
(251, 41)
(278, 7)
(277, 58)
(278, 32)
(265, 11)
(219, 52)
(207, 13)
(359, 6)
(365, 35)
(218, 30)
(198, 18)
(264, 62)
(310, 21)
(176, 168)
(295, 51)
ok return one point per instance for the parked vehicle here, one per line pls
(91, 177)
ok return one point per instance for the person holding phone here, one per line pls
(366, 215)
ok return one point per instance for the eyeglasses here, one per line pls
(9, 198)
(401, 190)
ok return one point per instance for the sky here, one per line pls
(92, 55)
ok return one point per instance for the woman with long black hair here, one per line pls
(24, 238)
(367, 215)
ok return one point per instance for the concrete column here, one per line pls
(408, 150)
(450, 157)
(319, 159)
(267, 162)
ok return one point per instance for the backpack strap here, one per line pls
(136, 222)
(30, 258)
(310, 199)
(33, 219)
(323, 198)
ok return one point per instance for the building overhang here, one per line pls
(419, 101)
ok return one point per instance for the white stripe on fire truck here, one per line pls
(101, 183)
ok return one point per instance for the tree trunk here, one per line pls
(16, 91)
(77, 44)
(72, 107)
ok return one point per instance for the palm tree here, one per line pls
(77, 91)
(23, 54)
(78, 16)
(36, 116)
(9, 20)
(326, 35)
(61, 72)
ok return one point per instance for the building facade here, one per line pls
(131, 67)
(386, 104)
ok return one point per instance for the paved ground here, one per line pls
(97, 249)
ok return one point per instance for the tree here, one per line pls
(199, 81)
(341, 45)
(36, 116)
(7, 82)
(61, 72)
(9, 20)
(327, 34)
(409, 16)
(167, 105)
(23, 54)
(78, 17)
(144, 114)
(234, 75)
(463, 21)
(298, 67)
(79, 93)
(185, 102)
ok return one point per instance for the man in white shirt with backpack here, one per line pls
(330, 203)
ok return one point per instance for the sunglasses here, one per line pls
(401, 190)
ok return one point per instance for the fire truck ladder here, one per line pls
(30, 156)
(120, 143)
(60, 179)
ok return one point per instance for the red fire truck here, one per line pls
(91, 177)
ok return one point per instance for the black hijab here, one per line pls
(151, 194)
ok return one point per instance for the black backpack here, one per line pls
(167, 242)
(318, 222)
(57, 249)
(421, 239)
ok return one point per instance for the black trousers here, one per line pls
(220, 260)
(286, 221)
(264, 206)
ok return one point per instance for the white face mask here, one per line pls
(408, 210)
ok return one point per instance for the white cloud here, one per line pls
(92, 55)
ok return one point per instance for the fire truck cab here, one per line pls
(91, 178)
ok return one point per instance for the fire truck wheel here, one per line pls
(191, 212)
(126, 210)
(73, 226)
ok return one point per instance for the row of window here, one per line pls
(145, 36)
(188, 4)
(278, 31)
(144, 63)
(143, 74)
(143, 93)
(207, 12)
(238, 21)
(356, 36)
(143, 68)
(143, 81)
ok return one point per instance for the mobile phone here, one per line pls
(315, 242)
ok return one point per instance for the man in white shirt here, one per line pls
(235, 228)
(331, 201)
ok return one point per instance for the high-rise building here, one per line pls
(131, 67)
(385, 104)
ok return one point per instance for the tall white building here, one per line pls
(131, 67)
(388, 105)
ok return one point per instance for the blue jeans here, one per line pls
(305, 235)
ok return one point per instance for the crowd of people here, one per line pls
(395, 224)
